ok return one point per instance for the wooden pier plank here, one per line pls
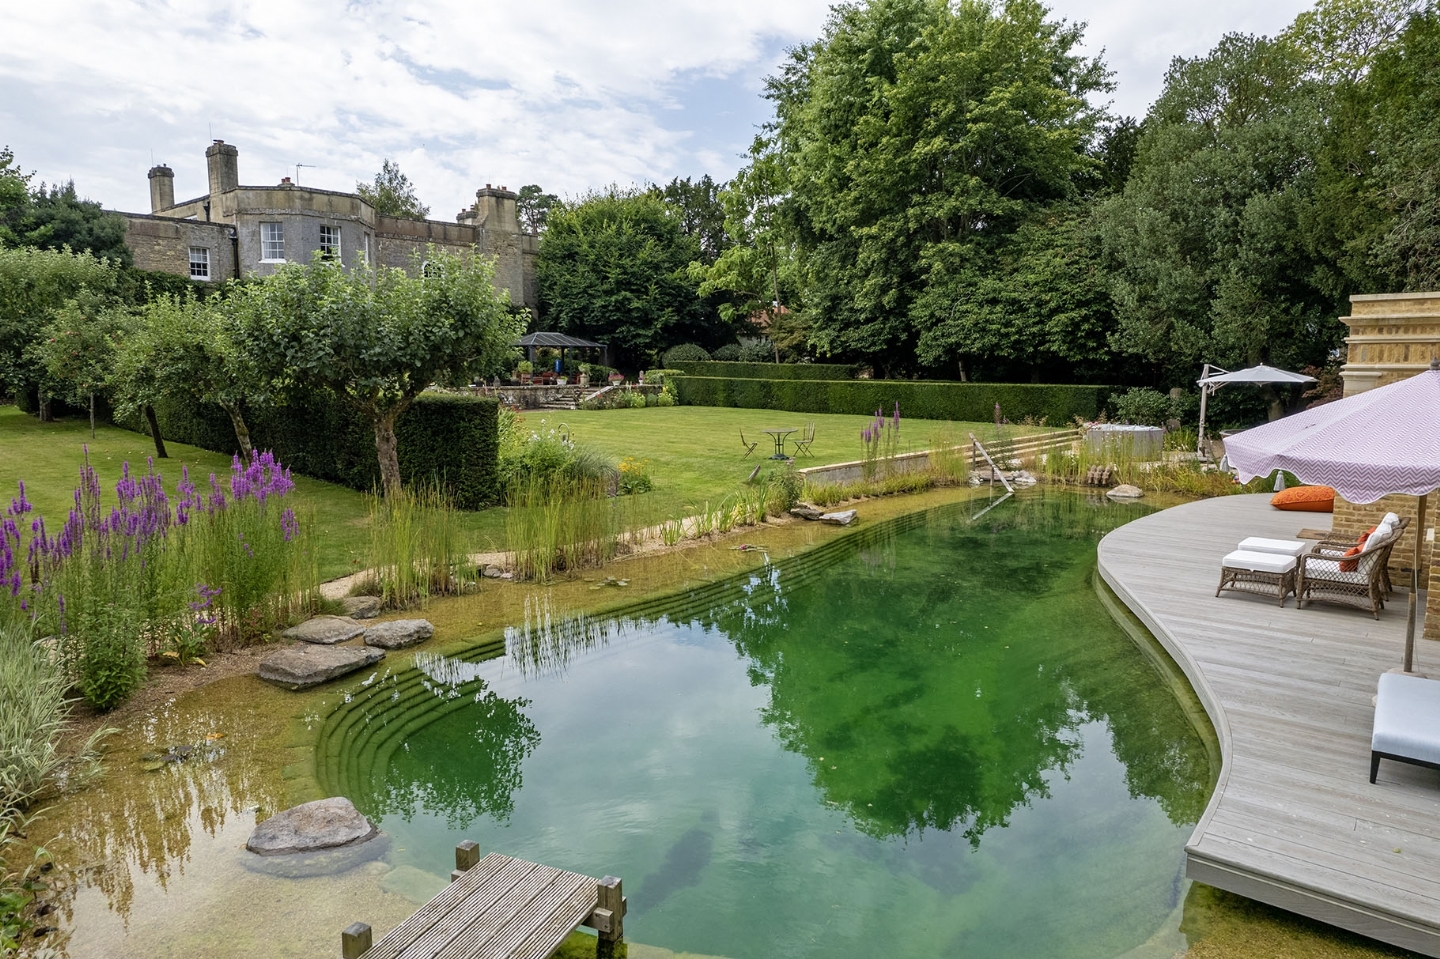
(1293, 820)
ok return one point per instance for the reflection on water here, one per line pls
(890, 747)
(924, 720)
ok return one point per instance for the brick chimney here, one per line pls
(223, 163)
(495, 209)
(162, 188)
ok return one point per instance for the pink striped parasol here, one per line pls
(1382, 441)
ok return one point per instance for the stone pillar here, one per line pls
(223, 163)
(162, 188)
(1392, 336)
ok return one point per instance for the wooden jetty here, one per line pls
(1294, 821)
(499, 908)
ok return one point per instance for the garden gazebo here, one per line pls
(561, 342)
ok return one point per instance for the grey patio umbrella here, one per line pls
(1213, 377)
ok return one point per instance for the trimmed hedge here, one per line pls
(918, 399)
(770, 371)
(455, 439)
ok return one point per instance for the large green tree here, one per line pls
(377, 338)
(614, 267)
(392, 194)
(918, 135)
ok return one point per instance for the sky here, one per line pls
(569, 94)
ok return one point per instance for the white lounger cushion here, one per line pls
(1381, 534)
(1407, 718)
(1285, 547)
(1258, 562)
(1390, 519)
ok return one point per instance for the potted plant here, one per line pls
(616, 378)
(524, 371)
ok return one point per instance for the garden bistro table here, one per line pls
(779, 436)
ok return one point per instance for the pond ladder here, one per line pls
(994, 470)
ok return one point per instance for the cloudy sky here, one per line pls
(566, 93)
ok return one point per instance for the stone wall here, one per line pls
(163, 244)
(1392, 336)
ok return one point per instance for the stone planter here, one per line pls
(616, 379)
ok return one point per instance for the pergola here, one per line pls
(561, 342)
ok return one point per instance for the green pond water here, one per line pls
(926, 739)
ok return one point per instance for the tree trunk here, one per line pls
(43, 412)
(155, 432)
(92, 416)
(242, 432)
(386, 449)
(1275, 408)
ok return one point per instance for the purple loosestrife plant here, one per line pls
(118, 584)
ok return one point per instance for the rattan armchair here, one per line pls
(1321, 577)
(1337, 547)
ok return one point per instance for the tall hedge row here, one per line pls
(769, 371)
(974, 402)
(454, 439)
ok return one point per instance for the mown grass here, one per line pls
(694, 453)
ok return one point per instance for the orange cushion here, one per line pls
(1310, 499)
(1354, 564)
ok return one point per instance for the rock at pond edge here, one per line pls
(1126, 492)
(325, 630)
(322, 824)
(361, 607)
(302, 665)
(843, 518)
(399, 633)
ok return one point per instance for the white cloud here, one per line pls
(560, 92)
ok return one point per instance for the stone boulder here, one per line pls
(1126, 491)
(399, 633)
(325, 630)
(302, 666)
(844, 518)
(807, 512)
(361, 607)
(322, 824)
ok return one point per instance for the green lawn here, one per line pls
(694, 456)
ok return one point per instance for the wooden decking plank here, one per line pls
(561, 901)
(444, 916)
(1289, 693)
(427, 915)
(522, 903)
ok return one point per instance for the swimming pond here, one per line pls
(928, 738)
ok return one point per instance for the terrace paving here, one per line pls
(1293, 821)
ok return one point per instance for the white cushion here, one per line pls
(1258, 562)
(1330, 569)
(1285, 547)
(1381, 534)
(1390, 518)
(1407, 717)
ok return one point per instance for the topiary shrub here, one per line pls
(1141, 406)
(762, 351)
(684, 353)
(729, 353)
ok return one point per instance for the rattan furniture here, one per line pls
(1321, 576)
(1269, 574)
(1339, 546)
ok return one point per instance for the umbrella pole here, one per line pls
(1414, 590)
(1200, 441)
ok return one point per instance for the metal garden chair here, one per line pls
(803, 441)
(749, 446)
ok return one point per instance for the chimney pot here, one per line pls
(162, 188)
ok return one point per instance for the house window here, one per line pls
(199, 263)
(272, 243)
(329, 242)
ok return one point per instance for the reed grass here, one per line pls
(417, 547)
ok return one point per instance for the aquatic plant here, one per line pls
(113, 588)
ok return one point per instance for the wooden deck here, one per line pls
(498, 908)
(1293, 821)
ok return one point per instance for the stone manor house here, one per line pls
(237, 230)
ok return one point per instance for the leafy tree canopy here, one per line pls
(533, 206)
(614, 268)
(375, 337)
(392, 193)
